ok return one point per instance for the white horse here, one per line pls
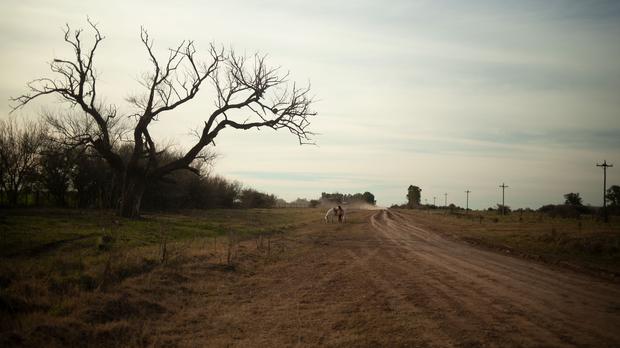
(332, 214)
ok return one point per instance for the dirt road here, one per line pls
(383, 281)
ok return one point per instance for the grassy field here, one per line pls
(73, 241)
(33, 232)
(71, 276)
(55, 263)
(585, 244)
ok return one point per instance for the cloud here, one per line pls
(446, 95)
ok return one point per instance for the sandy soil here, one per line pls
(382, 281)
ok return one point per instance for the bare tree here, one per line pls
(19, 151)
(248, 94)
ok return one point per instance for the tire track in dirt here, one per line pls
(507, 280)
(513, 270)
(474, 300)
(385, 281)
(461, 318)
(543, 270)
(466, 276)
(437, 303)
(398, 301)
(517, 268)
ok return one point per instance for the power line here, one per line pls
(605, 165)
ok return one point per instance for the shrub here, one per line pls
(564, 210)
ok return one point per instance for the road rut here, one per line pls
(382, 280)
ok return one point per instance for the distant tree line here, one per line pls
(572, 207)
(340, 198)
(297, 203)
(37, 169)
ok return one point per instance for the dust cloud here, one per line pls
(351, 205)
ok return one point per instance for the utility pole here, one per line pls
(503, 186)
(446, 200)
(467, 201)
(605, 165)
(434, 201)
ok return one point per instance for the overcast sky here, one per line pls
(445, 95)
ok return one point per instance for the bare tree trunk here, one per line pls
(131, 195)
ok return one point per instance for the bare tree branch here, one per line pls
(76, 84)
(248, 94)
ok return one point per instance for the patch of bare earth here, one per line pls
(378, 281)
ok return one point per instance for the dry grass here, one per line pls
(72, 278)
(264, 277)
(288, 283)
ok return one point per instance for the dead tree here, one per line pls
(248, 94)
